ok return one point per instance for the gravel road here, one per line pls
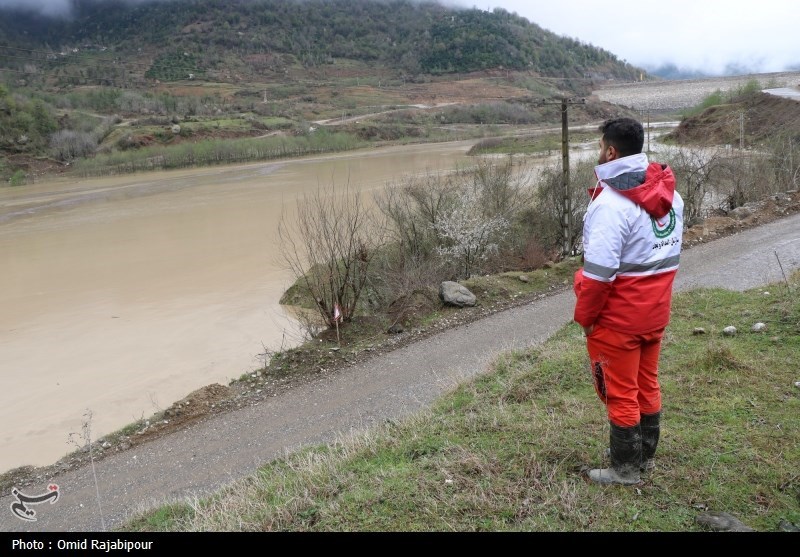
(228, 446)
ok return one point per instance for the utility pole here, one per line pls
(566, 214)
(741, 131)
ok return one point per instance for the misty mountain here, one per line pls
(672, 71)
(174, 38)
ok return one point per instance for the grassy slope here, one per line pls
(505, 450)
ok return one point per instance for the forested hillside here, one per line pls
(170, 40)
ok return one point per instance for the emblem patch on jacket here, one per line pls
(664, 226)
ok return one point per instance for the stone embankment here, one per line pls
(671, 96)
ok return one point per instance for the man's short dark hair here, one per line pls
(625, 134)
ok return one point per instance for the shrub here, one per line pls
(18, 178)
(67, 145)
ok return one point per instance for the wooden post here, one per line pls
(566, 215)
(566, 219)
(741, 131)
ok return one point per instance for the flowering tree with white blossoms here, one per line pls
(467, 235)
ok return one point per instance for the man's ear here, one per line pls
(613, 154)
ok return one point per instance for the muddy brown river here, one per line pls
(121, 295)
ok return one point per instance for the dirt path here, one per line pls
(228, 446)
(359, 117)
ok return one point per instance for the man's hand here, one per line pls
(588, 330)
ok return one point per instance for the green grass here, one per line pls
(504, 286)
(504, 451)
(217, 151)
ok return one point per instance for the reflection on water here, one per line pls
(121, 295)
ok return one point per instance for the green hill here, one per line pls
(114, 42)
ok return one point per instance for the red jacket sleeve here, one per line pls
(592, 295)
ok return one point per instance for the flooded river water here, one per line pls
(121, 295)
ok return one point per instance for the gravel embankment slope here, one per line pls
(669, 96)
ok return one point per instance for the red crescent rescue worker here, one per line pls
(632, 236)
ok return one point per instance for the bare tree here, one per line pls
(738, 177)
(329, 246)
(694, 171)
(67, 145)
(504, 190)
(415, 207)
(548, 212)
(412, 209)
(785, 161)
(405, 285)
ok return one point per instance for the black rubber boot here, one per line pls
(626, 457)
(651, 431)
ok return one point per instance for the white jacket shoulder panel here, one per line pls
(620, 237)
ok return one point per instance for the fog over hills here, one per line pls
(680, 38)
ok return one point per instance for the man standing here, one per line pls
(632, 242)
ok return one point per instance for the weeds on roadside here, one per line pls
(83, 441)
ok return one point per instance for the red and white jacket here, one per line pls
(632, 236)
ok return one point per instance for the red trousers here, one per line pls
(625, 373)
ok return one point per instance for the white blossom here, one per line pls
(468, 235)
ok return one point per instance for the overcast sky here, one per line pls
(706, 35)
